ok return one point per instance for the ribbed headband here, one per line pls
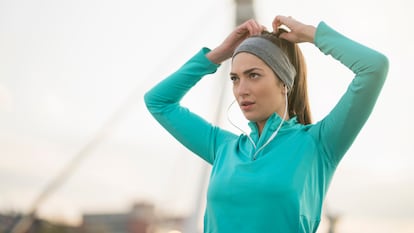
(272, 55)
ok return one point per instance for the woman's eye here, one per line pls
(254, 75)
(233, 78)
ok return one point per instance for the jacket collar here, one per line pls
(271, 125)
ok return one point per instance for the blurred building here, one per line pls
(8, 221)
(140, 219)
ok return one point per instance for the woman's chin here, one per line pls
(250, 117)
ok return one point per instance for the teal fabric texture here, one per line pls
(283, 188)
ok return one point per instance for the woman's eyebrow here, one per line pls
(247, 71)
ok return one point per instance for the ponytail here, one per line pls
(298, 100)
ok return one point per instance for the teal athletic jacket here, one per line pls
(283, 189)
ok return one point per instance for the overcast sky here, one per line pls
(67, 66)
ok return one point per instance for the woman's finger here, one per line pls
(281, 21)
(254, 27)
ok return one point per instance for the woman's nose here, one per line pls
(243, 88)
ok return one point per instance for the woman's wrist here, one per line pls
(217, 55)
(309, 33)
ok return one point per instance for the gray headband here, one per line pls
(272, 55)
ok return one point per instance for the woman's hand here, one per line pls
(226, 48)
(298, 33)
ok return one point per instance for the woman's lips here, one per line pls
(246, 105)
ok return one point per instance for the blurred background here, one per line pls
(79, 152)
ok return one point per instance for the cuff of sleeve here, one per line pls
(202, 53)
(200, 64)
(326, 38)
(322, 30)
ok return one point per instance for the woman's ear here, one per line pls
(284, 89)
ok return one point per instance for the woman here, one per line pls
(276, 178)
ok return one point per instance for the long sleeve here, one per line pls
(163, 101)
(337, 131)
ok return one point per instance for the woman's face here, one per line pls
(257, 89)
